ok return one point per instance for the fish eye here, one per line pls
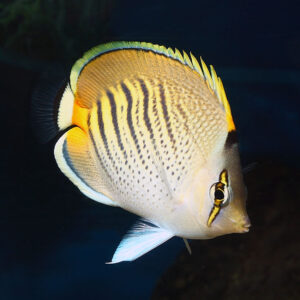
(212, 191)
(218, 191)
(219, 194)
(226, 196)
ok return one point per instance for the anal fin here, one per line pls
(142, 238)
(76, 160)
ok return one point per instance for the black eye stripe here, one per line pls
(223, 178)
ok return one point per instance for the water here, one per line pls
(54, 240)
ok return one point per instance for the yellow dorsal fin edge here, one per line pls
(230, 123)
(211, 78)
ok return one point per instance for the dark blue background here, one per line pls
(54, 241)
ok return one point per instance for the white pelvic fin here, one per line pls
(142, 238)
(188, 247)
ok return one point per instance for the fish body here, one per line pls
(151, 131)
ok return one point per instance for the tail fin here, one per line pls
(52, 106)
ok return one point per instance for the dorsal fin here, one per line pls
(212, 80)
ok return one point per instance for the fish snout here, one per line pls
(241, 225)
(245, 224)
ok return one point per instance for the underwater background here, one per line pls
(55, 241)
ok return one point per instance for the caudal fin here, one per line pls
(52, 106)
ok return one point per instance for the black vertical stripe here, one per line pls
(96, 149)
(89, 120)
(103, 135)
(182, 112)
(99, 157)
(184, 116)
(114, 118)
(165, 112)
(146, 107)
(101, 129)
(154, 108)
(129, 114)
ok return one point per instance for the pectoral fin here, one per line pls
(142, 238)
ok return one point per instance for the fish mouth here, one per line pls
(243, 225)
(246, 225)
(245, 228)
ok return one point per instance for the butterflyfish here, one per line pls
(149, 129)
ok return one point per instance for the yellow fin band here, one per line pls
(187, 60)
(214, 83)
(170, 52)
(206, 73)
(178, 55)
(230, 123)
(216, 86)
(196, 65)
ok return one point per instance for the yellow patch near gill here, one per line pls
(80, 115)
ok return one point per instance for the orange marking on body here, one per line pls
(80, 115)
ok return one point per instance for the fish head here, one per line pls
(220, 196)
